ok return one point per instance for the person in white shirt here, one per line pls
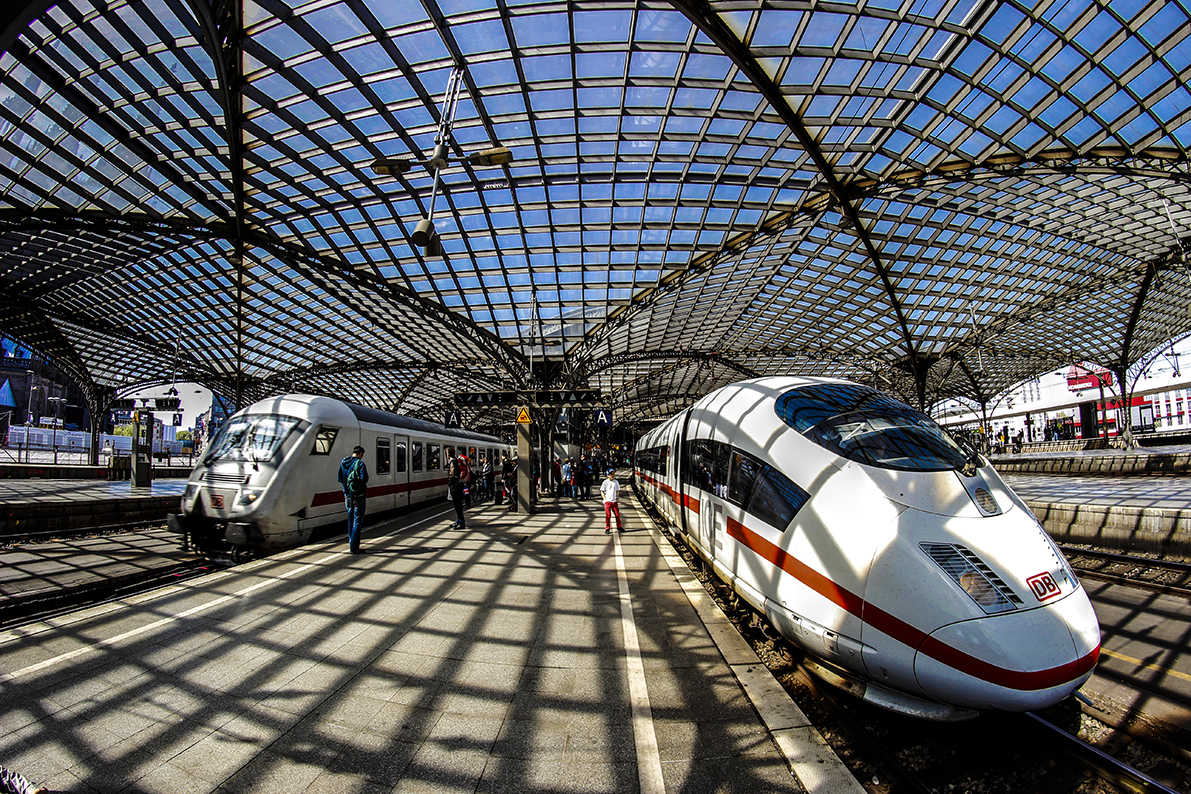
(610, 489)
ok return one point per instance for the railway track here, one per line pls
(1157, 575)
(16, 610)
(26, 605)
(48, 535)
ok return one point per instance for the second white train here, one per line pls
(900, 561)
(269, 477)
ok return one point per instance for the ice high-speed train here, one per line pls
(269, 477)
(901, 562)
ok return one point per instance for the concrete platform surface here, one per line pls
(1163, 493)
(16, 492)
(526, 654)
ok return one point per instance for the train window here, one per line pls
(776, 499)
(399, 456)
(324, 439)
(719, 474)
(741, 477)
(699, 463)
(433, 462)
(864, 425)
(416, 449)
(253, 437)
(382, 456)
(652, 459)
(471, 455)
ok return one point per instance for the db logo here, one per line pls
(1043, 585)
(217, 501)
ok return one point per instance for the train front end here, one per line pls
(236, 496)
(966, 601)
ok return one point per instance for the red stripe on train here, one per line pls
(325, 498)
(905, 633)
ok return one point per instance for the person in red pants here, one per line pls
(610, 489)
(16, 783)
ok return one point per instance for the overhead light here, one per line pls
(391, 166)
(499, 155)
(423, 233)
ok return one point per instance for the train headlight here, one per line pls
(250, 495)
(190, 492)
(973, 576)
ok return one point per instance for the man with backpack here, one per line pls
(353, 476)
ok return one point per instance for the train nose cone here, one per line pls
(1015, 661)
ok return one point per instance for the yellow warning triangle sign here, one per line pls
(523, 417)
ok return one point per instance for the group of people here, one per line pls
(573, 477)
(465, 483)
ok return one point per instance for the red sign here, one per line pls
(1043, 585)
(217, 501)
(1080, 378)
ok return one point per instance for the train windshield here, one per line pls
(255, 437)
(864, 425)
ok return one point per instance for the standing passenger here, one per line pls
(489, 476)
(500, 489)
(610, 490)
(353, 476)
(510, 477)
(458, 474)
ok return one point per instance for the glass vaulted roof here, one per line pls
(940, 198)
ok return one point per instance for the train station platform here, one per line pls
(1172, 460)
(33, 507)
(525, 653)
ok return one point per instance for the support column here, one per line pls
(524, 462)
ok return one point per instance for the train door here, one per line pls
(719, 526)
(706, 522)
(380, 476)
(715, 528)
(401, 490)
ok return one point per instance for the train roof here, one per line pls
(363, 413)
(366, 414)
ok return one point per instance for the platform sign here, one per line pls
(122, 404)
(567, 396)
(523, 417)
(603, 417)
(487, 398)
(453, 419)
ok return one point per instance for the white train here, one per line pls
(900, 561)
(269, 477)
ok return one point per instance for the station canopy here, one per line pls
(938, 198)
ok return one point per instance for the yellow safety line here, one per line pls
(1144, 665)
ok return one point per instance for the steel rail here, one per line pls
(16, 611)
(1110, 769)
(15, 538)
(1173, 566)
(905, 781)
(1170, 565)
